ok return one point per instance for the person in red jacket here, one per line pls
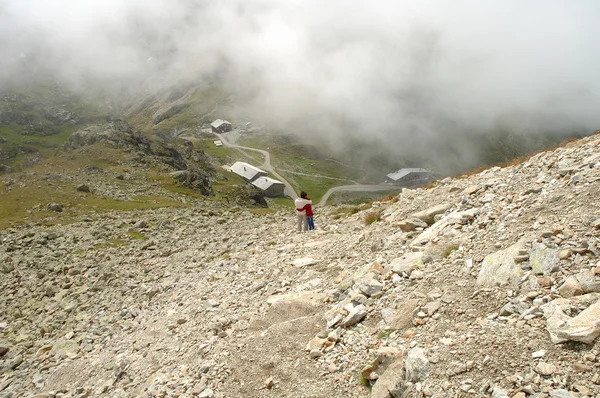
(309, 211)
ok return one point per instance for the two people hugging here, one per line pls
(305, 213)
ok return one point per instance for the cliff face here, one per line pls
(481, 285)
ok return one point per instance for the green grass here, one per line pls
(363, 381)
(345, 211)
(111, 243)
(198, 107)
(384, 334)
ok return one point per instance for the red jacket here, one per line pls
(308, 208)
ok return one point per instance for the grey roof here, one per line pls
(404, 172)
(247, 171)
(217, 123)
(265, 182)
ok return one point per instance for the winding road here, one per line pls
(291, 192)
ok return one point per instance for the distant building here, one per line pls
(218, 143)
(247, 171)
(220, 126)
(407, 177)
(271, 188)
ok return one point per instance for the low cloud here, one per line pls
(420, 75)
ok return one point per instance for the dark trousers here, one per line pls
(311, 223)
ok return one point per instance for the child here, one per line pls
(309, 212)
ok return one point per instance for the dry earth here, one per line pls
(480, 286)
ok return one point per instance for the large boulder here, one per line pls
(584, 327)
(391, 383)
(500, 268)
(429, 214)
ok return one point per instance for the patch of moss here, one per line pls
(111, 243)
(137, 235)
(445, 252)
(384, 334)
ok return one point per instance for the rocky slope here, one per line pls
(480, 286)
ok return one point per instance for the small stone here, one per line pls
(269, 383)
(4, 350)
(456, 368)
(315, 353)
(207, 393)
(18, 360)
(580, 368)
(570, 288)
(545, 369)
(83, 188)
(56, 207)
(564, 254)
(538, 354)
(316, 343)
(432, 307)
(544, 281)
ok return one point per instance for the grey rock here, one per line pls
(498, 392)
(427, 215)
(416, 365)
(406, 264)
(543, 260)
(402, 317)
(500, 268)
(561, 393)
(354, 316)
(584, 327)
(432, 307)
(369, 285)
(7, 267)
(587, 281)
(411, 224)
(83, 188)
(121, 364)
(391, 382)
(207, 393)
(57, 207)
(16, 362)
(570, 287)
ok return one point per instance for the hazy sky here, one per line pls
(387, 69)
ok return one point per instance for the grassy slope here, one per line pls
(301, 164)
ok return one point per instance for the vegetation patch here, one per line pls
(111, 243)
(136, 235)
(345, 211)
(372, 216)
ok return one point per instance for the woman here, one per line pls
(301, 203)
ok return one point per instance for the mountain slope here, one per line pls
(470, 288)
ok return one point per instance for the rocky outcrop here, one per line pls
(191, 166)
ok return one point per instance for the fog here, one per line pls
(414, 76)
